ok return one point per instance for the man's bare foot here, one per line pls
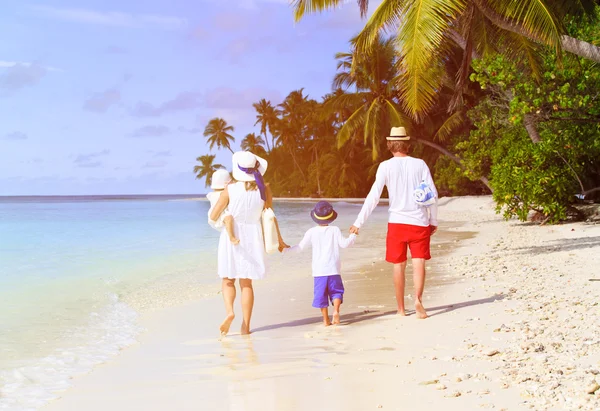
(234, 241)
(336, 318)
(224, 328)
(402, 313)
(420, 310)
(245, 330)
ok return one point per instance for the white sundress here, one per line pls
(246, 259)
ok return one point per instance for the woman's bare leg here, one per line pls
(228, 291)
(247, 304)
(399, 281)
(419, 284)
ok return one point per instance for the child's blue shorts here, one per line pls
(327, 289)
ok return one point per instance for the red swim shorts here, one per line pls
(403, 236)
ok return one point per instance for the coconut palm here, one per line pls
(427, 30)
(206, 168)
(368, 82)
(217, 133)
(254, 144)
(266, 116)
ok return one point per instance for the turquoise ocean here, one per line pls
(76, 272)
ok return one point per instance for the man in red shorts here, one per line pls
(410, 225)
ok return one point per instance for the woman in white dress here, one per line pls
(246, 199)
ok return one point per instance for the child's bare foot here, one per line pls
(245, 330)
(234, 240)
(420, 310)
(326, 322)
(336, 318)
(402, 313)
(224, 328)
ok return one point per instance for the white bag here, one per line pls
(270, 231)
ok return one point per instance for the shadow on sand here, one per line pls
(358, 317)
(565, 244)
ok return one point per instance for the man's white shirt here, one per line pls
(401, 175)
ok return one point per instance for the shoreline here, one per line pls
(490, 310)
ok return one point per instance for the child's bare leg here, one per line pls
(228, 221)
(325, 312)
(336, 310)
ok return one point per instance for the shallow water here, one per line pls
(76, 273)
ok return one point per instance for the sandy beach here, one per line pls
(514, 324)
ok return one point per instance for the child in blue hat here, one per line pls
(326, 241)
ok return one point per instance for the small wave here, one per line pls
(33, 385)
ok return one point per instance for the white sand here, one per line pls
(514, 325)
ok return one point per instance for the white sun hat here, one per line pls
(398, 134)
(247, 160)
(220, 179)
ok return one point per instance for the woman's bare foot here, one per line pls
(234, 240)
(420, 310)
(245, 330)
(224, 328)
(336, 318)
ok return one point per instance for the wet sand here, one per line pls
(498, 293)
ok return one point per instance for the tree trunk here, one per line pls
(531, 126)
(452, 157)
(318, 179)
(267, 142)
(296, 164)
(570, 44)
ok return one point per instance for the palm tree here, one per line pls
(266, 116)
(429, 28)
(206, 168)
(217, 133)
(373, 101)
(254, 144)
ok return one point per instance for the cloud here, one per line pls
(115, 50)
(155, 164)
(112, 18)
(16, 135)
(166, 153)
(8, 64)
(229, 98)
(101, 102)
(90, 160)
(20, 76)
(151, 131)
(183, 101)
(193, 130)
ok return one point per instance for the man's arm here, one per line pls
(371, 201)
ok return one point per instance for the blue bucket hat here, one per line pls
(323, 213)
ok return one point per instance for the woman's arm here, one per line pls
(221, 205)
(269, 204)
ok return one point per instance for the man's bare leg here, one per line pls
(228, 291)
(247, 304)
(228, 221)
(325, 312)
(399, 280)
(419, 284)
(336, 310)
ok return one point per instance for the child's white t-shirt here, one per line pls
(326, 242)
(213, 197)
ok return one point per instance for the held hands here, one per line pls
(433, 229)
(282, 245)
(354, 230)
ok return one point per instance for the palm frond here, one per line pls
(454, 122)
(420, 39)
(351, 127)
(536, 18)
(304, 7)
(387, 17)
(517, 46)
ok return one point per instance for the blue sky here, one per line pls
(111, 97)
